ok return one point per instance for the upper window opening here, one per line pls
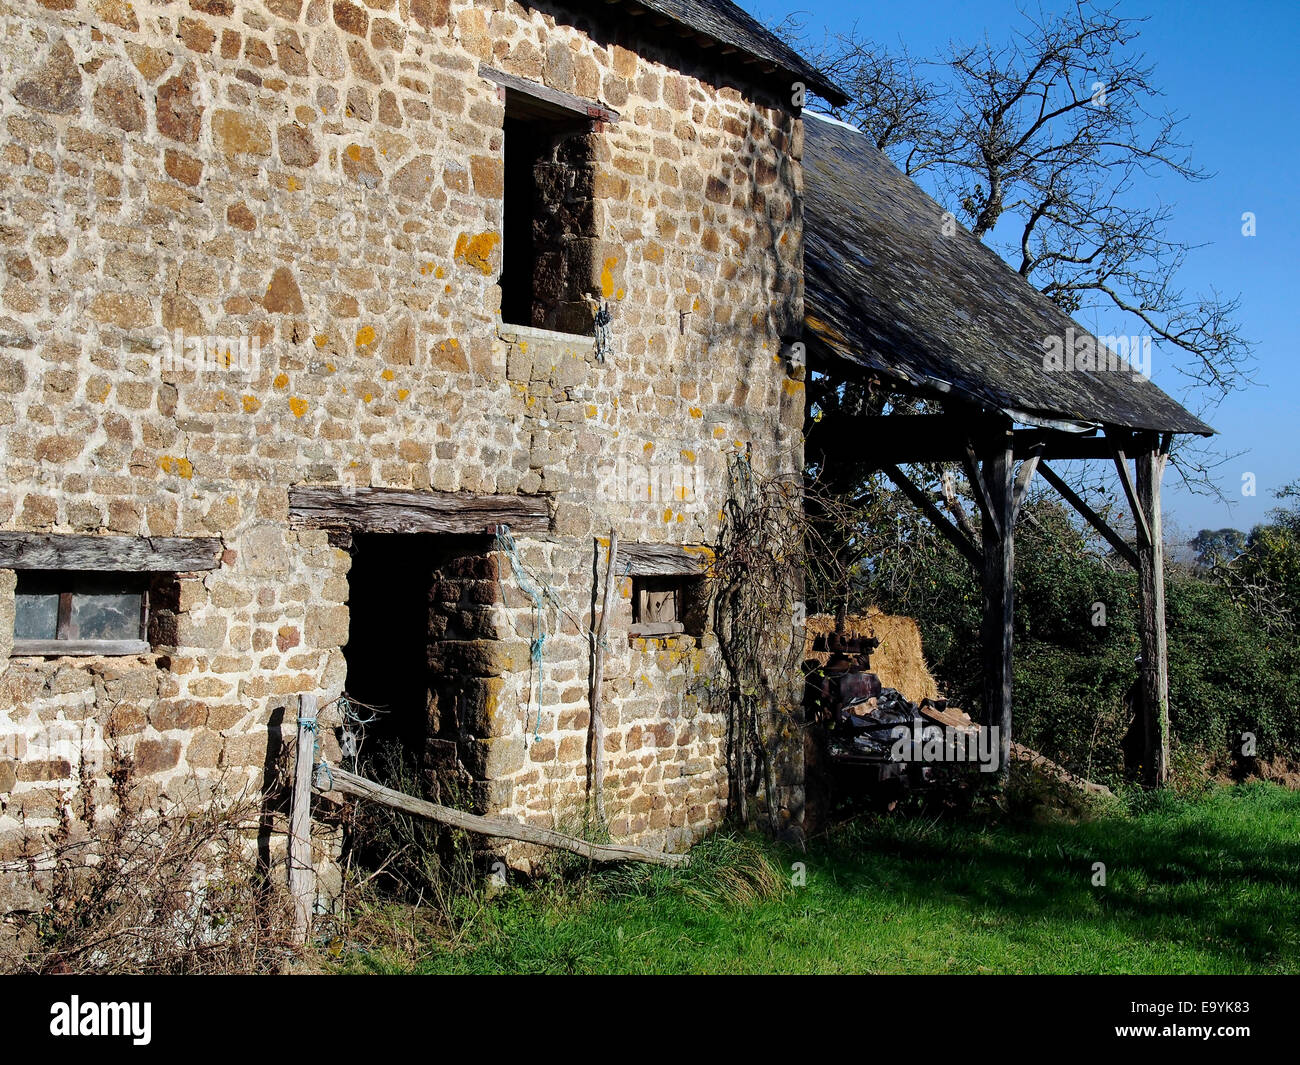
(547, 276)
(68, 612)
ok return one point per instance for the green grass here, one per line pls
(1210, 885)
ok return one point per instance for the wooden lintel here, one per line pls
(390, 510)
(555, 98)
(123, 554)
(1121, 546)
(940, 521)
(660, 560)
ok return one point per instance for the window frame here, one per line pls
(67, 584)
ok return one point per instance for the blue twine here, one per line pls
(507, 546)
(311, 724)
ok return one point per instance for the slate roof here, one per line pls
(887, 290)
(726, 23)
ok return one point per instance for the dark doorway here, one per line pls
(388, 642)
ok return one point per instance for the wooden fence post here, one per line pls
(301, 873)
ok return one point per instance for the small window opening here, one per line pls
(547, 276)
(70, 612)
(664, 606)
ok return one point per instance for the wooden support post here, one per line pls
(998, 592)
(596, 732)
(926, 506)
(1154, 686)
(301, 875)
(1094, 519)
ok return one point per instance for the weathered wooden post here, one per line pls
(301, 873)
(1150, 464)
(596, 737)
(998, 588)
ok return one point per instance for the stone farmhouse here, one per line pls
(334, 337)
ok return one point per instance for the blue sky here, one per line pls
(1233, 72)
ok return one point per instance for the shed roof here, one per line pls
(886, 289)
(723, 21)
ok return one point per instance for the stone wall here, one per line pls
(308, 195)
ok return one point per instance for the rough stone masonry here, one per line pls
(325, 185)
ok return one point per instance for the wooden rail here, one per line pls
(500, 828)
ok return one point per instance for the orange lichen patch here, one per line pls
(649, 447)
(179, 466)
(681, 517)
(320, 339)
(688, 454)
(696, 412)
(387, 375)
(792, 388)
(368, 397)
(427, 269)
(591, 410)
(476, 250)
(440, 273)
(354, 152)
(681, 492)
(607, 277)
(719, 432)
(402, 393)
(668, 513)
(619, 294)
(281, 380)
(292, 184)
(298, 406)
(365, 336)
(251, 404)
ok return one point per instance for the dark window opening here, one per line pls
(81, 613)
(665, 606)
(547, 276)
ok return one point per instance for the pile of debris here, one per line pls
(865, 720)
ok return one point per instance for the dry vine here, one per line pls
(768, 550)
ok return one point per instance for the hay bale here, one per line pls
(898, 661)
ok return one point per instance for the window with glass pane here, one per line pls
(80, 613)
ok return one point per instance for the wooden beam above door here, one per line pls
(392, 510)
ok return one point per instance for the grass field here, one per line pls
(1210, 885)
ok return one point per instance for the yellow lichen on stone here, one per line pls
(321, 339)
(476, 250)
(402, 393)
(696, 412)
(251, 404)
(607, 277)
(591, 410)
(365, 336)
(387, 375)
(281, 380)
(181, 467)
(298, 406)
(688, 454)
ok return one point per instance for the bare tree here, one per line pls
(1046, 140)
